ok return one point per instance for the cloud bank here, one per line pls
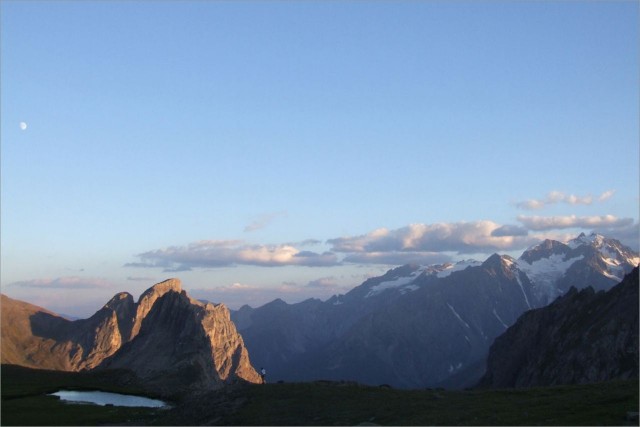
(415, 243)
(460, 237)
(555, 197)
(419, 243)
(227, 253)
(540, 223)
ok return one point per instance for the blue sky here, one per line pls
(291, 149)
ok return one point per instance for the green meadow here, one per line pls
(25, 402)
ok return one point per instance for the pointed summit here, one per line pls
(594, 239)
(162, 288)
(149, 297)
(503, 264)
(169, 340)
(546, 249)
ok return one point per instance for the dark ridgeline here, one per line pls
(582, 337)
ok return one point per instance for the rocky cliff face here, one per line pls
(29, 336)
(167, 338)
(583, 336)
(183, 341)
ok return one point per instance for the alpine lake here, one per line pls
(107, 399)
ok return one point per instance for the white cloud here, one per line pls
(415, 243)
(531, 205)
(606, 195)
(224, 253)
(397, 258)
(541, 223)
(460, 237)
(629, 235)
(555, 197)
(263, 221)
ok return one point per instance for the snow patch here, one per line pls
(459, 266)
(409, 288)
(453, 369)
(458, 316)
(522, 288)
(544, 273)
(593, 239)
(499, 319)
(396, 283)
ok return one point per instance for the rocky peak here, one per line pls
(498, 263)
(123, 309)
(545, 249)
(161, 288)
(185, 345)
(148, 298)
(119, 300)
(168, 339)
(594, 239)
(609, 249)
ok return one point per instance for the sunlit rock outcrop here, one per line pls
(166, 338)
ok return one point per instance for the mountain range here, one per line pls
(424, 326)
(413, 327)
(167, 339)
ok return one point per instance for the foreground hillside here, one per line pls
(24, 402)
(583, 337)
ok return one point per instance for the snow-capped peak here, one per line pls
(549, 261)
(400, 282)
(404, 281)
(445, 270)
(612, 252)
(593, 239)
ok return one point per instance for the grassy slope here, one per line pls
(24, 403)
(316, 404)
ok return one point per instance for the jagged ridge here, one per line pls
(167, 338)
(582, 337)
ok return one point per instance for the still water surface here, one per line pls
(103, 398)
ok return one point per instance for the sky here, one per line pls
(283, 149)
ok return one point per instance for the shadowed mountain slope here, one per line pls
(582, 337)
(424, 326)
